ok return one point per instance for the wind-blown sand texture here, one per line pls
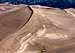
(31, 29)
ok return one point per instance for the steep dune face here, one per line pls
(12, 19)
(48, 30)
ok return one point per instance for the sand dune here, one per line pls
(36, 30)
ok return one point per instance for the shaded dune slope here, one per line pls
(12, 19)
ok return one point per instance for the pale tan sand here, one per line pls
(48, 30)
